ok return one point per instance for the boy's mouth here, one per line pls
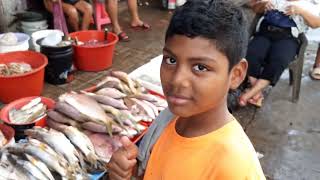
(178, 99)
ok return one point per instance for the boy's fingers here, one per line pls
(120, 158)
(114, 168)
(130, 147)
(128, 166)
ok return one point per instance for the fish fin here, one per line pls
(109, 128)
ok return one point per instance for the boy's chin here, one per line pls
(181, 112)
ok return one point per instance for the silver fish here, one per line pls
(58, 141)
(145, 107)
(29, 167)
(82, 142)
(111, 92)
(153, 107)
(56, 116)
(125, 78)
(147, 97)
(107, 100)
(70, 111)
(107, 80)
(88, 107)
(40, 165)
(98, 128)
(51, 160)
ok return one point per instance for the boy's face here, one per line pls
(195, 76)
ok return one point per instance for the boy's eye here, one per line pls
(200, 67)
(170, 60)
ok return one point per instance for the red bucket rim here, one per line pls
(33, 70)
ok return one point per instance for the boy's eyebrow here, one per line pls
(168, 50)
(200, 58)
(203, 58)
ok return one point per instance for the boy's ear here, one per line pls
(238, 74)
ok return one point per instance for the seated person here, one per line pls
(275, 43)
(71, 8)
(315, 71)
(136, 22)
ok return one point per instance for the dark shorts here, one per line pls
(73, 2)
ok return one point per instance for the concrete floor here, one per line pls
(287, 134)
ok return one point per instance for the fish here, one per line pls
(10, 171)
(32, 103)
(56, 116)
(58, 141)
(108, 81)
(98, 128)
(29, 167)
(89, 108)
(147, 97)
(82, 142)
(28, 115)
(125, 78)
(152, 106)
(104, 145)
(40, 165)
(111, 92)
(107, 100)
(70, 111)
(41, 151)
(145, 108)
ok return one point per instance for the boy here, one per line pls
(197, 138)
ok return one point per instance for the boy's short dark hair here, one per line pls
(218, 20)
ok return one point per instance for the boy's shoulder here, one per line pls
(237, 156)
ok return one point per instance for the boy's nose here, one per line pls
(181, 78)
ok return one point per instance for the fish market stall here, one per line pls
(82, 130)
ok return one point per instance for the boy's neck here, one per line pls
(203, 123)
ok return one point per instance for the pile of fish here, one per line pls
(30, 112)
(50, 154)
(14, 69)
(115, 108)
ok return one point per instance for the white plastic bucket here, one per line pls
(41, 34)
(22, 45)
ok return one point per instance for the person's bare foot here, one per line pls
(249, 97)
(256, 100)
(140, 24)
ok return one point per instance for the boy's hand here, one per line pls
(123, 161)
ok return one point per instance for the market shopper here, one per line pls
(71, 8)
(275, 44)
(197, 137)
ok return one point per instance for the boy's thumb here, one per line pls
(129, 147)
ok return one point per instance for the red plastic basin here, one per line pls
(24, 85)
(19, 128)
(97, 57)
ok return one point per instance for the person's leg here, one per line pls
(72, 14)
(86, 9)
(276, 63)
(48, 5)
(317, 61)
(257, 52)
(282, 52)
(135, 19)
(112, 9)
